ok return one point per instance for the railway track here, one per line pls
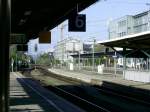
(102, 89)
(77, 92)
(115, 93)
(77, 100)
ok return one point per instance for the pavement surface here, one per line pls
(95, 78)
(26, 95)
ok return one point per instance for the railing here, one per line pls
(106, 70)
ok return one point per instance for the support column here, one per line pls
(79, 61)
(83, 62)
(148, 56)
(124, 61)
(147, 64)
(4, 51)
(115, 64)
(134, 63)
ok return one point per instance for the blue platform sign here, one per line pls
(77, 23)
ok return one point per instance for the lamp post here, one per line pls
(93, 62)
(79, 60)
(35, 49)
(62, 49)
(12, 65)
(115, 64)
(16, 61)
(93, 51)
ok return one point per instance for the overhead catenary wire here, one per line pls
(112, 2)
(96, 23)
(125, 2)
(89, 23)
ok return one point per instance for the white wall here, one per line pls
(141, 76)
(41, 48)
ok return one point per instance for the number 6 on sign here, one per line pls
(77, 23)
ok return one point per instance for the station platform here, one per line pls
(26, 95)
(95, 78)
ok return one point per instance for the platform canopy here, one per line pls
(96, 54)
(134, 41)
(32, 16)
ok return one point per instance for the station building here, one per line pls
(131, 33)
(67, 47)
(129, 24)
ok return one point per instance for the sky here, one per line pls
(97, 18)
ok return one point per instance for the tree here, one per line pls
(99, 48)
(44, 59)
(12, 51)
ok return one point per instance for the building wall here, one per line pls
(129, 24)
(120, 27)
(41, 48)
(141, 22)
(67, 47)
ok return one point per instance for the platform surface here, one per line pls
(90, 76)
(26, 95)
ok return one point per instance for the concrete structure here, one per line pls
(67, 47)
(129, 24)
(90, 76)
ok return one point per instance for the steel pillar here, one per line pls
(5, 8)
(124, 61)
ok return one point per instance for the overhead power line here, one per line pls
(127, 2)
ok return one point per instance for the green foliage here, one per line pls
(99, 48)
(12, 51)
(56, 61)
(43, 59)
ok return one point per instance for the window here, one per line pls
(123, 33)
(122, 23)
(138, 29)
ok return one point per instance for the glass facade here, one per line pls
(141, 23)
(120, 27)
(129, 25)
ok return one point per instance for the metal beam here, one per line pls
(116, 50)
(148, 55)
(131, 52)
